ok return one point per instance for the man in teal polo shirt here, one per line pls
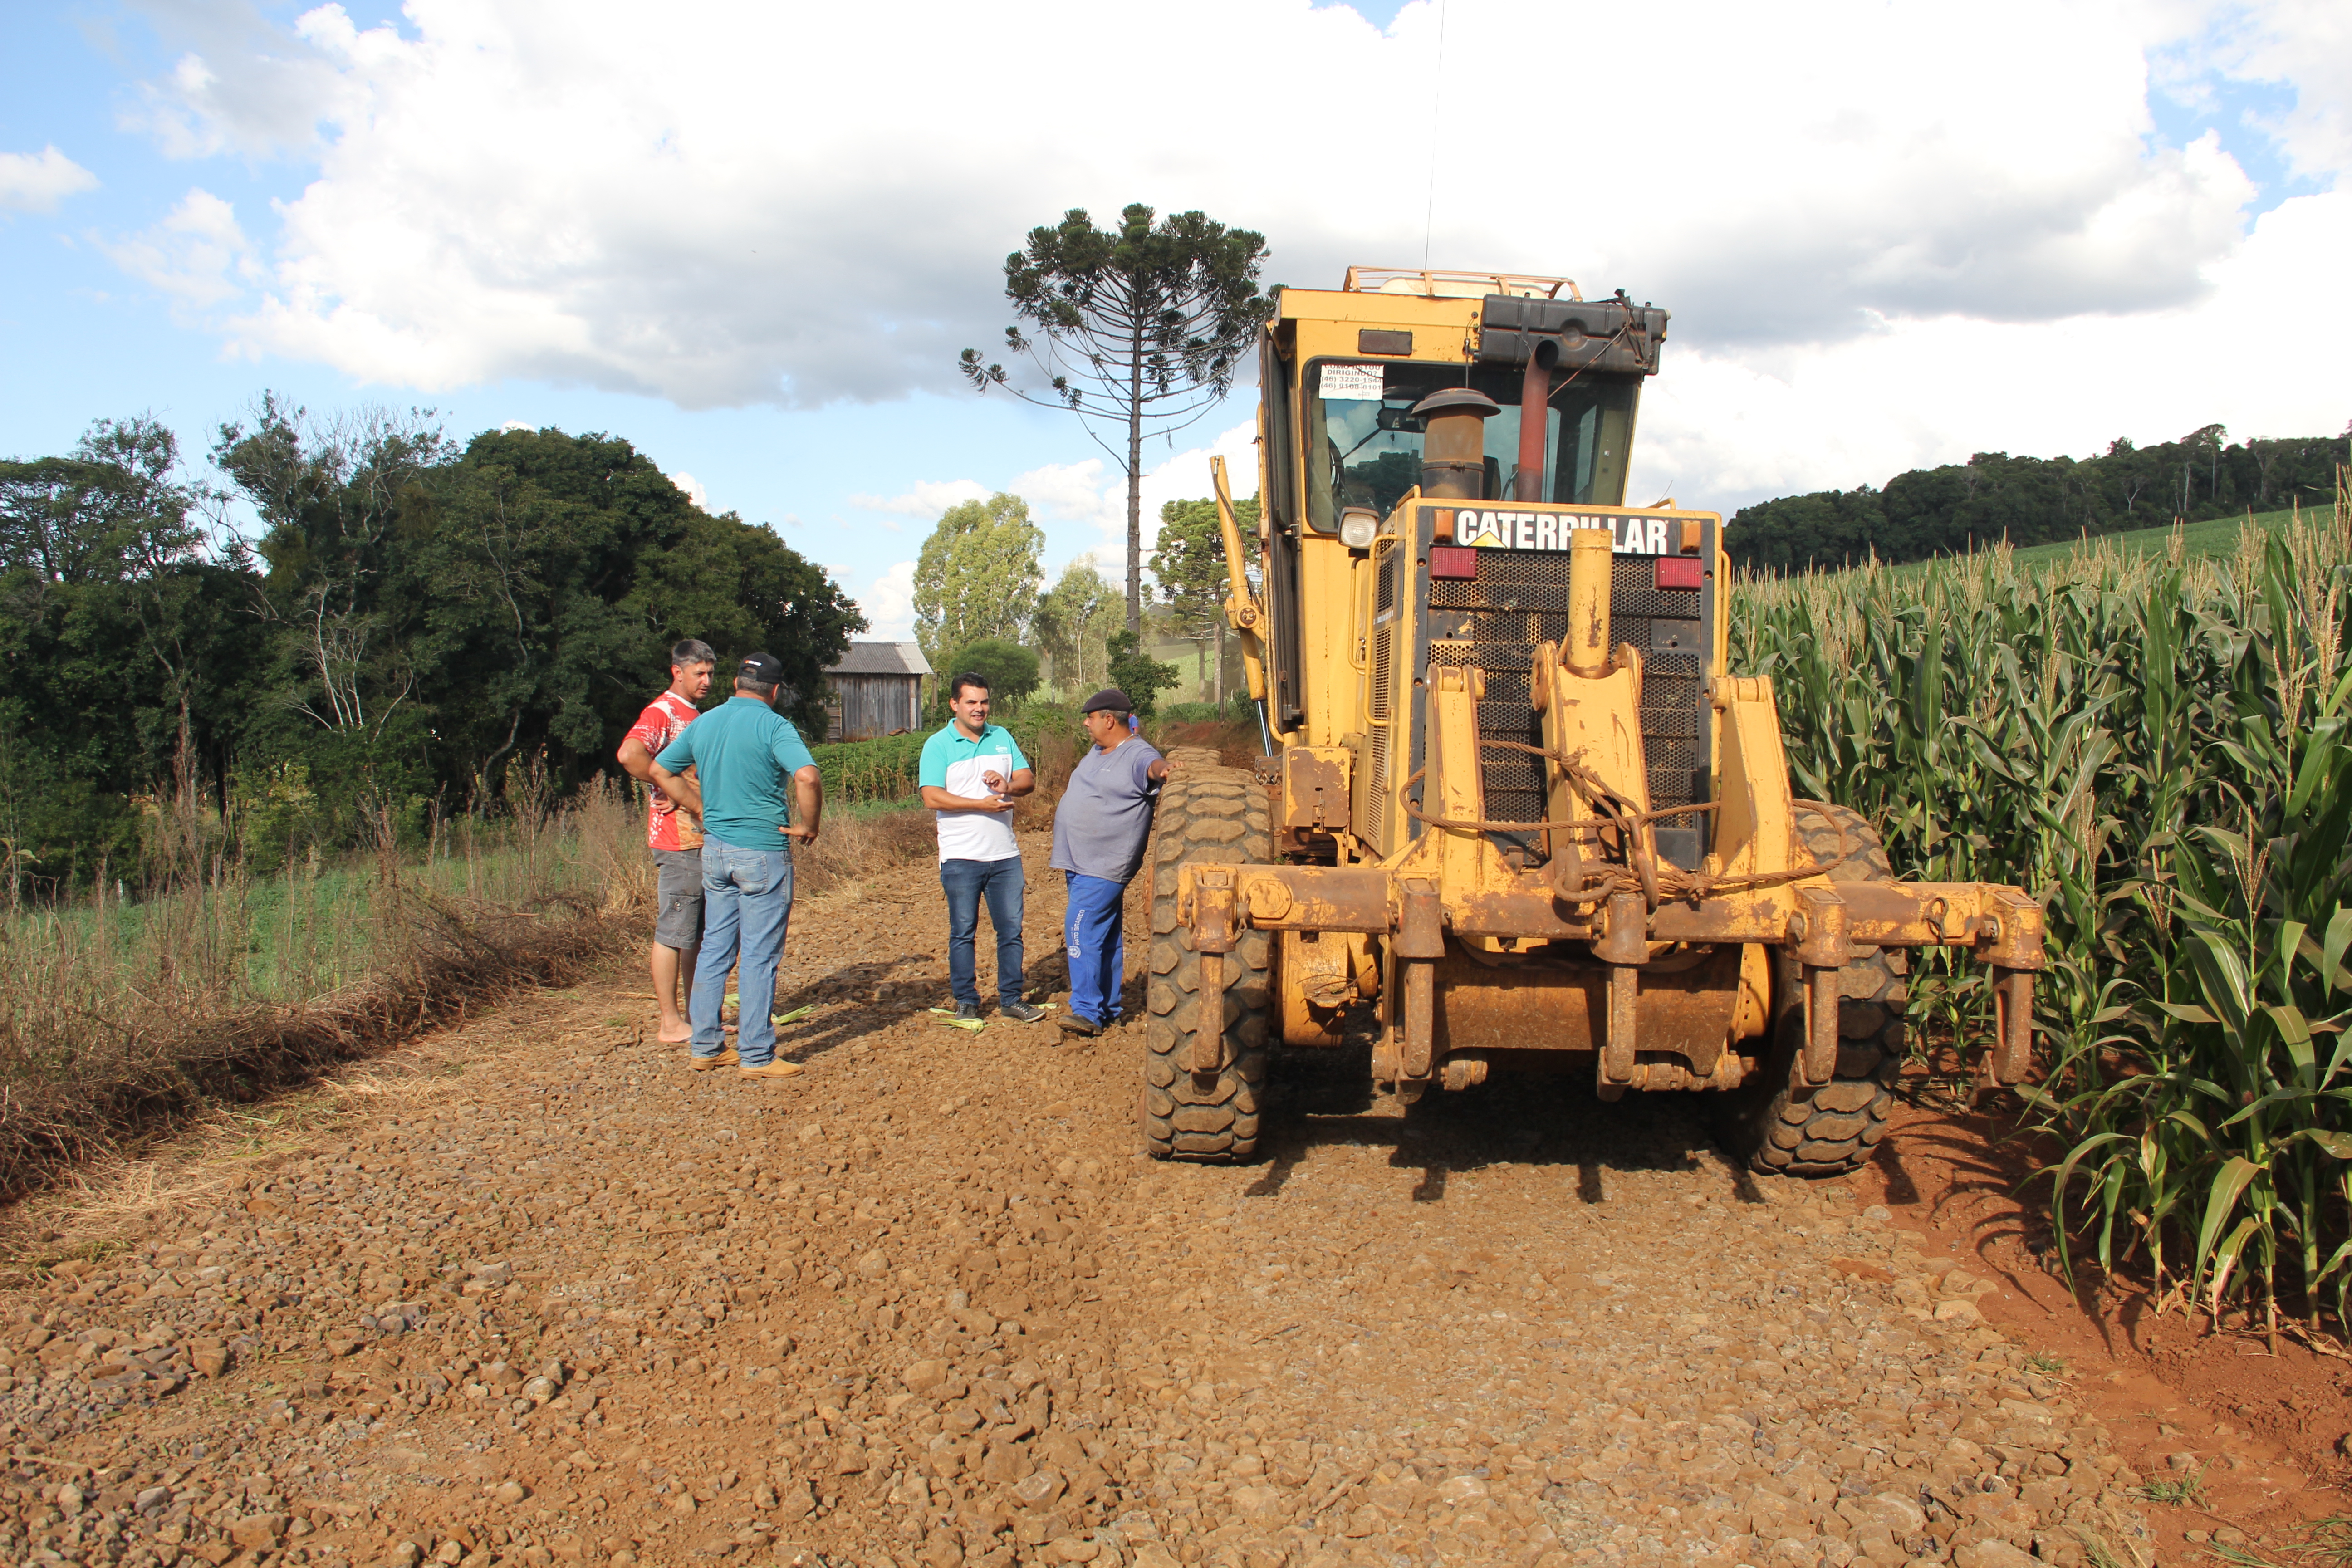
(972, 773)
(743, 752)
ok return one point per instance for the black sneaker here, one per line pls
(1079, 1024)
(1020, 1012)
(967, 1010)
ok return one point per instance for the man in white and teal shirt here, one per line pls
(972, 773)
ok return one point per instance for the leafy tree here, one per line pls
(1139, 330)
(1073, 624)
(1009, 670)
(407, 621)
(125, 654)
(1995, 496)
(448, 611)
(1190, 564)
(1136, 673)
(978, 575)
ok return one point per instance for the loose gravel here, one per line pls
(926, 1305)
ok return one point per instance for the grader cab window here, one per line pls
(1363, 446)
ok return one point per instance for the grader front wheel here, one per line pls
(1782, 1127)
(1208, 815)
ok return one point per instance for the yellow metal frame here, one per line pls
(1404, 907)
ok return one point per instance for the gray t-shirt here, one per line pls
(1105, 816)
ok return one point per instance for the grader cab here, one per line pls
(1515, 796)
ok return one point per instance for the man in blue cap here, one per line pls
(743, 752)
(1099, 832)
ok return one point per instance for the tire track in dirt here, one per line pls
(560, 1299)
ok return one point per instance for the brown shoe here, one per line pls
(724, 1058)
(778, 1068)
(1078, 1024)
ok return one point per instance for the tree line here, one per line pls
(982, 602)
(1994, 496)
(356, 624)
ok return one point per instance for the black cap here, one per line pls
(1109, 700)
(762, 669)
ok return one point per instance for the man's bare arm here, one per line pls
(808, 804)
(637, 759)
(684, 793)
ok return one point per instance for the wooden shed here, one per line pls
(876, 689)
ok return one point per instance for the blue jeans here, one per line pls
(966, 882)
(747, 898)
(1093, 932)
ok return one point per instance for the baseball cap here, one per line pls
(1109, 699)
(762, 669)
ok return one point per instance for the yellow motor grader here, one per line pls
(1514, 793)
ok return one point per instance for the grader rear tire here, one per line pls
(1782, 1128)
(1208, 815)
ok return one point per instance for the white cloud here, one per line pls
(537, 188)
(1072, 493)
(1720, 428)
(1885, 230)
(2306, 46)
(198, 255)
(247, 87)
(691, 487)
(889, 601)
(36, 182)
(924, 498)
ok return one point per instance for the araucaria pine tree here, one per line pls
(1137, 331)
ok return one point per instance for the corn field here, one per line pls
(2158, 748)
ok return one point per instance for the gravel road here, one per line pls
(542, 1295)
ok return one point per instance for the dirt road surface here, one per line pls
(531, 1291)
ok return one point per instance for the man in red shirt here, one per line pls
(675, 836)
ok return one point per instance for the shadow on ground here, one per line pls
(1325, 1099)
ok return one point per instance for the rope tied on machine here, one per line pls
(1658, 883)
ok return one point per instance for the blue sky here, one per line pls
(1850, 265)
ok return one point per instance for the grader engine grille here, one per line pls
(1519, 599)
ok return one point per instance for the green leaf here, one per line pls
(2236, 1172)
(2339, 937)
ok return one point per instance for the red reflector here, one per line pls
(1457, 560)
(1678, 572)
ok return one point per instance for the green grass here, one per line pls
(2214, 539)
(2215, 536)
(2184, 1491)
(305, 931)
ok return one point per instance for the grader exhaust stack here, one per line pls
(1518, 798)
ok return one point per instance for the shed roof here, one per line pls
(882, 658)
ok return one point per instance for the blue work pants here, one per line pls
(1097, 945)
(747, 899)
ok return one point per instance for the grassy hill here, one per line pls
(2214, 536)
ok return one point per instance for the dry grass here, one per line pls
(117, 1022)
(855, 844)
(206, 1006)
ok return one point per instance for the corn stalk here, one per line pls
(2156, 747)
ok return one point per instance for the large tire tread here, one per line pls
(1212, 814)
(1782, 1128)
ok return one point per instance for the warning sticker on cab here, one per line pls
(1359, 382)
